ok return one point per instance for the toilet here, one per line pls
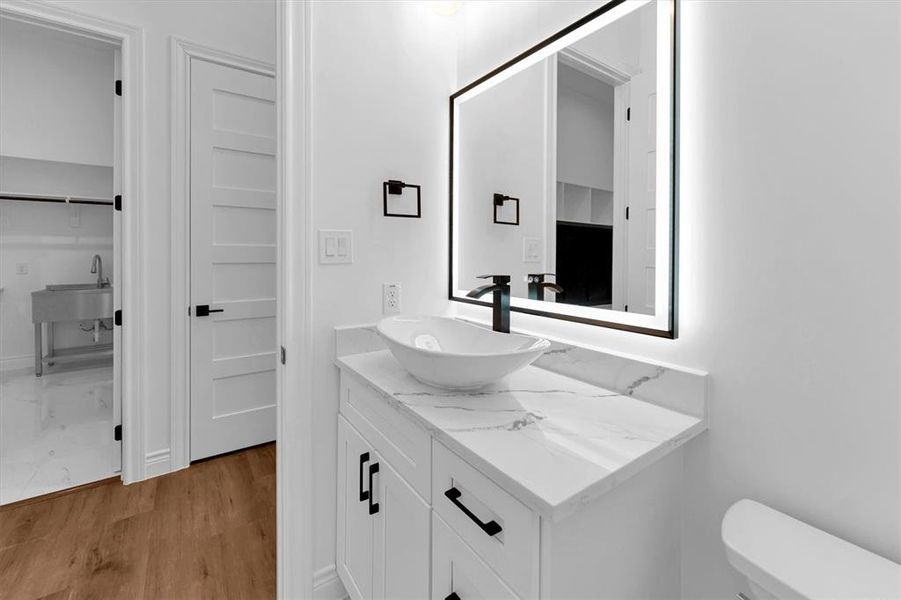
(784, 558)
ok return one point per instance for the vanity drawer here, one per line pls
(399, 441)
(456, 569)
(502, 530)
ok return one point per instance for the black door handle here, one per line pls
(452, 596)
(373, 507)
(204, 310)
(364, 495)
(491, 527)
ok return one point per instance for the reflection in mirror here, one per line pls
(575, 137)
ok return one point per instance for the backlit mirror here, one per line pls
(581, 131)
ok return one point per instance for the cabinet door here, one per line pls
(402, 539)
(356, 527)
(458, 573)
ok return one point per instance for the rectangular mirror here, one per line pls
(581, 131)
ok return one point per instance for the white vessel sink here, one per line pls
(451, 354)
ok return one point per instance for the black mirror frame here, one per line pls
(672, 331)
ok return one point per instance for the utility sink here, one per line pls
(455, 355)
(71, 302)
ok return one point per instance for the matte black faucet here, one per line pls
(501, 307)
(537, 285)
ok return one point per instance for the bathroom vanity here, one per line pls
(562, 479)
(539, 486)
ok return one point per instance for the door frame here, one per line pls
(294, 453)
(182, 52)
(131, 257)
(620, 81)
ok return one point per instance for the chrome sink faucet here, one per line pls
(97, 267)
(501, 306)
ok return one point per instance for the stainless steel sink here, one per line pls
(71, 302)
(66, 302)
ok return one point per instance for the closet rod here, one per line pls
(57, 199)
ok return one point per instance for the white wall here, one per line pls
(382, 73)
(245, 28)
(503, 131)
(56, 97)
(789, 293)
(584, 132)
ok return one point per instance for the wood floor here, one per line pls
(205, 532)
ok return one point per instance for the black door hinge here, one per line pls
(283, 354)
(629, 114)
(117, 433)
(117, 318)
(118, 87)
(117, 202)
(627, 213)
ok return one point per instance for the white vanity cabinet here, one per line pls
(416, 519)
(383, 525)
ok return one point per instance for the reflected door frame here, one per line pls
(620, 81)
(182, 52)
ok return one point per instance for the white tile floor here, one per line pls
(55, 431)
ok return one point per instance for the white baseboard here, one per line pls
(326, 585)
(157, 463)
(11, 363)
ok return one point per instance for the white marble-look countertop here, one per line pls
(551, 441)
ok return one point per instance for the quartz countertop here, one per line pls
(552, 442)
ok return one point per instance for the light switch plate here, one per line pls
(531, 250)
(336, 246)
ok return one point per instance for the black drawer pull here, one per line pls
(364, 495)
(373, 507)
(452, 596)
(491, 527)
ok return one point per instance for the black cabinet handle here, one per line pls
(373, 507)
(491, 527)
(452, 596)
(204, 310)
(364, 495)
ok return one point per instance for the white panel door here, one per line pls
(233, 249)
(640, 226)
(356, 527)
(641, 230)
(116, 457)
(401, 553)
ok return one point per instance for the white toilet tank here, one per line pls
(785, 558)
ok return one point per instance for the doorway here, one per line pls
(60, 273)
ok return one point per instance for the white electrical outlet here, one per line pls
(21, 268)
(390, 298)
